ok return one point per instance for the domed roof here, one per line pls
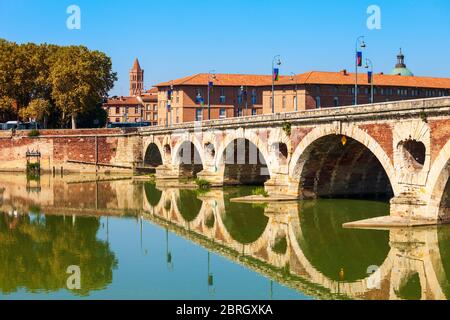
(400, 67)
(401, 72)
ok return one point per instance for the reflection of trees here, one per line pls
(444, 249)
(152, 193)
(35, 254)
(338, 253)
(245, 222)
(189, 205)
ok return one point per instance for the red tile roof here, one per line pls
(312, 77)
(341, 78)
(221, 80)
(122, 101)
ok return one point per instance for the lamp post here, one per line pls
(359, 42)
(295, 91)
(141, 104)
(277, 60)
(169, 97)
(211, 78)
(370, 64)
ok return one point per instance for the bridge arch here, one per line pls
(439, 186)
(188, 155)
(342, 158)
(243, 159)
(153, 156)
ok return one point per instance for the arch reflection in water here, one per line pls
(301, 246)
(304, 247)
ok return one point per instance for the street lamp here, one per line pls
(211, 78)
(359, 42)
(277, 60)
(169, 97)
(295, 91)
(370, 64)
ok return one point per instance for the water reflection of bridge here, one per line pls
(280, 241)
(278, 250)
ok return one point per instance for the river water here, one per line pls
(131, 239)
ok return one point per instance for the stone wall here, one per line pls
(93, 150)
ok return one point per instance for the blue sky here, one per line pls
(180, 37)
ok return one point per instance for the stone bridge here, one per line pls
(399, 150)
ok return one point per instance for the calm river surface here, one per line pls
(132, 239)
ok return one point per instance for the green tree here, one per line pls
(73, 80)
(38, 109)
(6, 109)
(80, 80)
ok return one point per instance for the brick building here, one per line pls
(230, 95)
(136, 79)
(334, 89)
(140, 106)
(150, 100)
(124, 110)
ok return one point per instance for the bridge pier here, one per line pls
(282, 185)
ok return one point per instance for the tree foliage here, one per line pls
(72, 80)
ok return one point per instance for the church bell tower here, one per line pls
(136, 79)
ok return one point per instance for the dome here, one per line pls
(402, 72)
(400, 67)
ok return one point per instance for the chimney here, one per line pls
(344, 72)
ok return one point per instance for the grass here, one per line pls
(203, 184)
(34, 133)
(260, 191)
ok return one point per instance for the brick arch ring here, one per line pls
(350, 131)
(438, 179)
(250, 136)
(175, 153)
(157, 143)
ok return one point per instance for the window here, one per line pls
(199, 97)
(222, 95)
(136, 111)
(318, 102)
(117, 110)
(117, 119)
(239, 96)
(198, 114)
(222, 113)
(336, 101)
(155, 107)
(254, 112)
(155, 117)
(295, 103)
(254, 96)
(283, 104)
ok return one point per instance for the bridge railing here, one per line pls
(398, 108)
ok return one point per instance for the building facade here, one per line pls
(140, 107)
(150, 101)
(229, 95)
(124, 110)
(315, 89)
